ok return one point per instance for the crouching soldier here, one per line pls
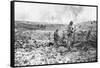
(56, 38)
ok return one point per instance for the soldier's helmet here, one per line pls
(71, 22)
(56, 30)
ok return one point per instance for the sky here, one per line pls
(51, 13)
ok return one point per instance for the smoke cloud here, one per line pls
(50, 13)
(62, 13)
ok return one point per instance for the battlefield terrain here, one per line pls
(34, 43)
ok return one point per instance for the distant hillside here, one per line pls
(37, 26)
(27, 25)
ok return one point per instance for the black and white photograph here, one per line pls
(53, 34)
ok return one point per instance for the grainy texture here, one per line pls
(52, 34)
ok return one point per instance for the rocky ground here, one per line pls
(52, 55)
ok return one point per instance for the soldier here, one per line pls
(56, 37)
(70, 29)
(69, 34)
(49, 38)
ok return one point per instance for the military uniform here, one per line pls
(69, 35)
